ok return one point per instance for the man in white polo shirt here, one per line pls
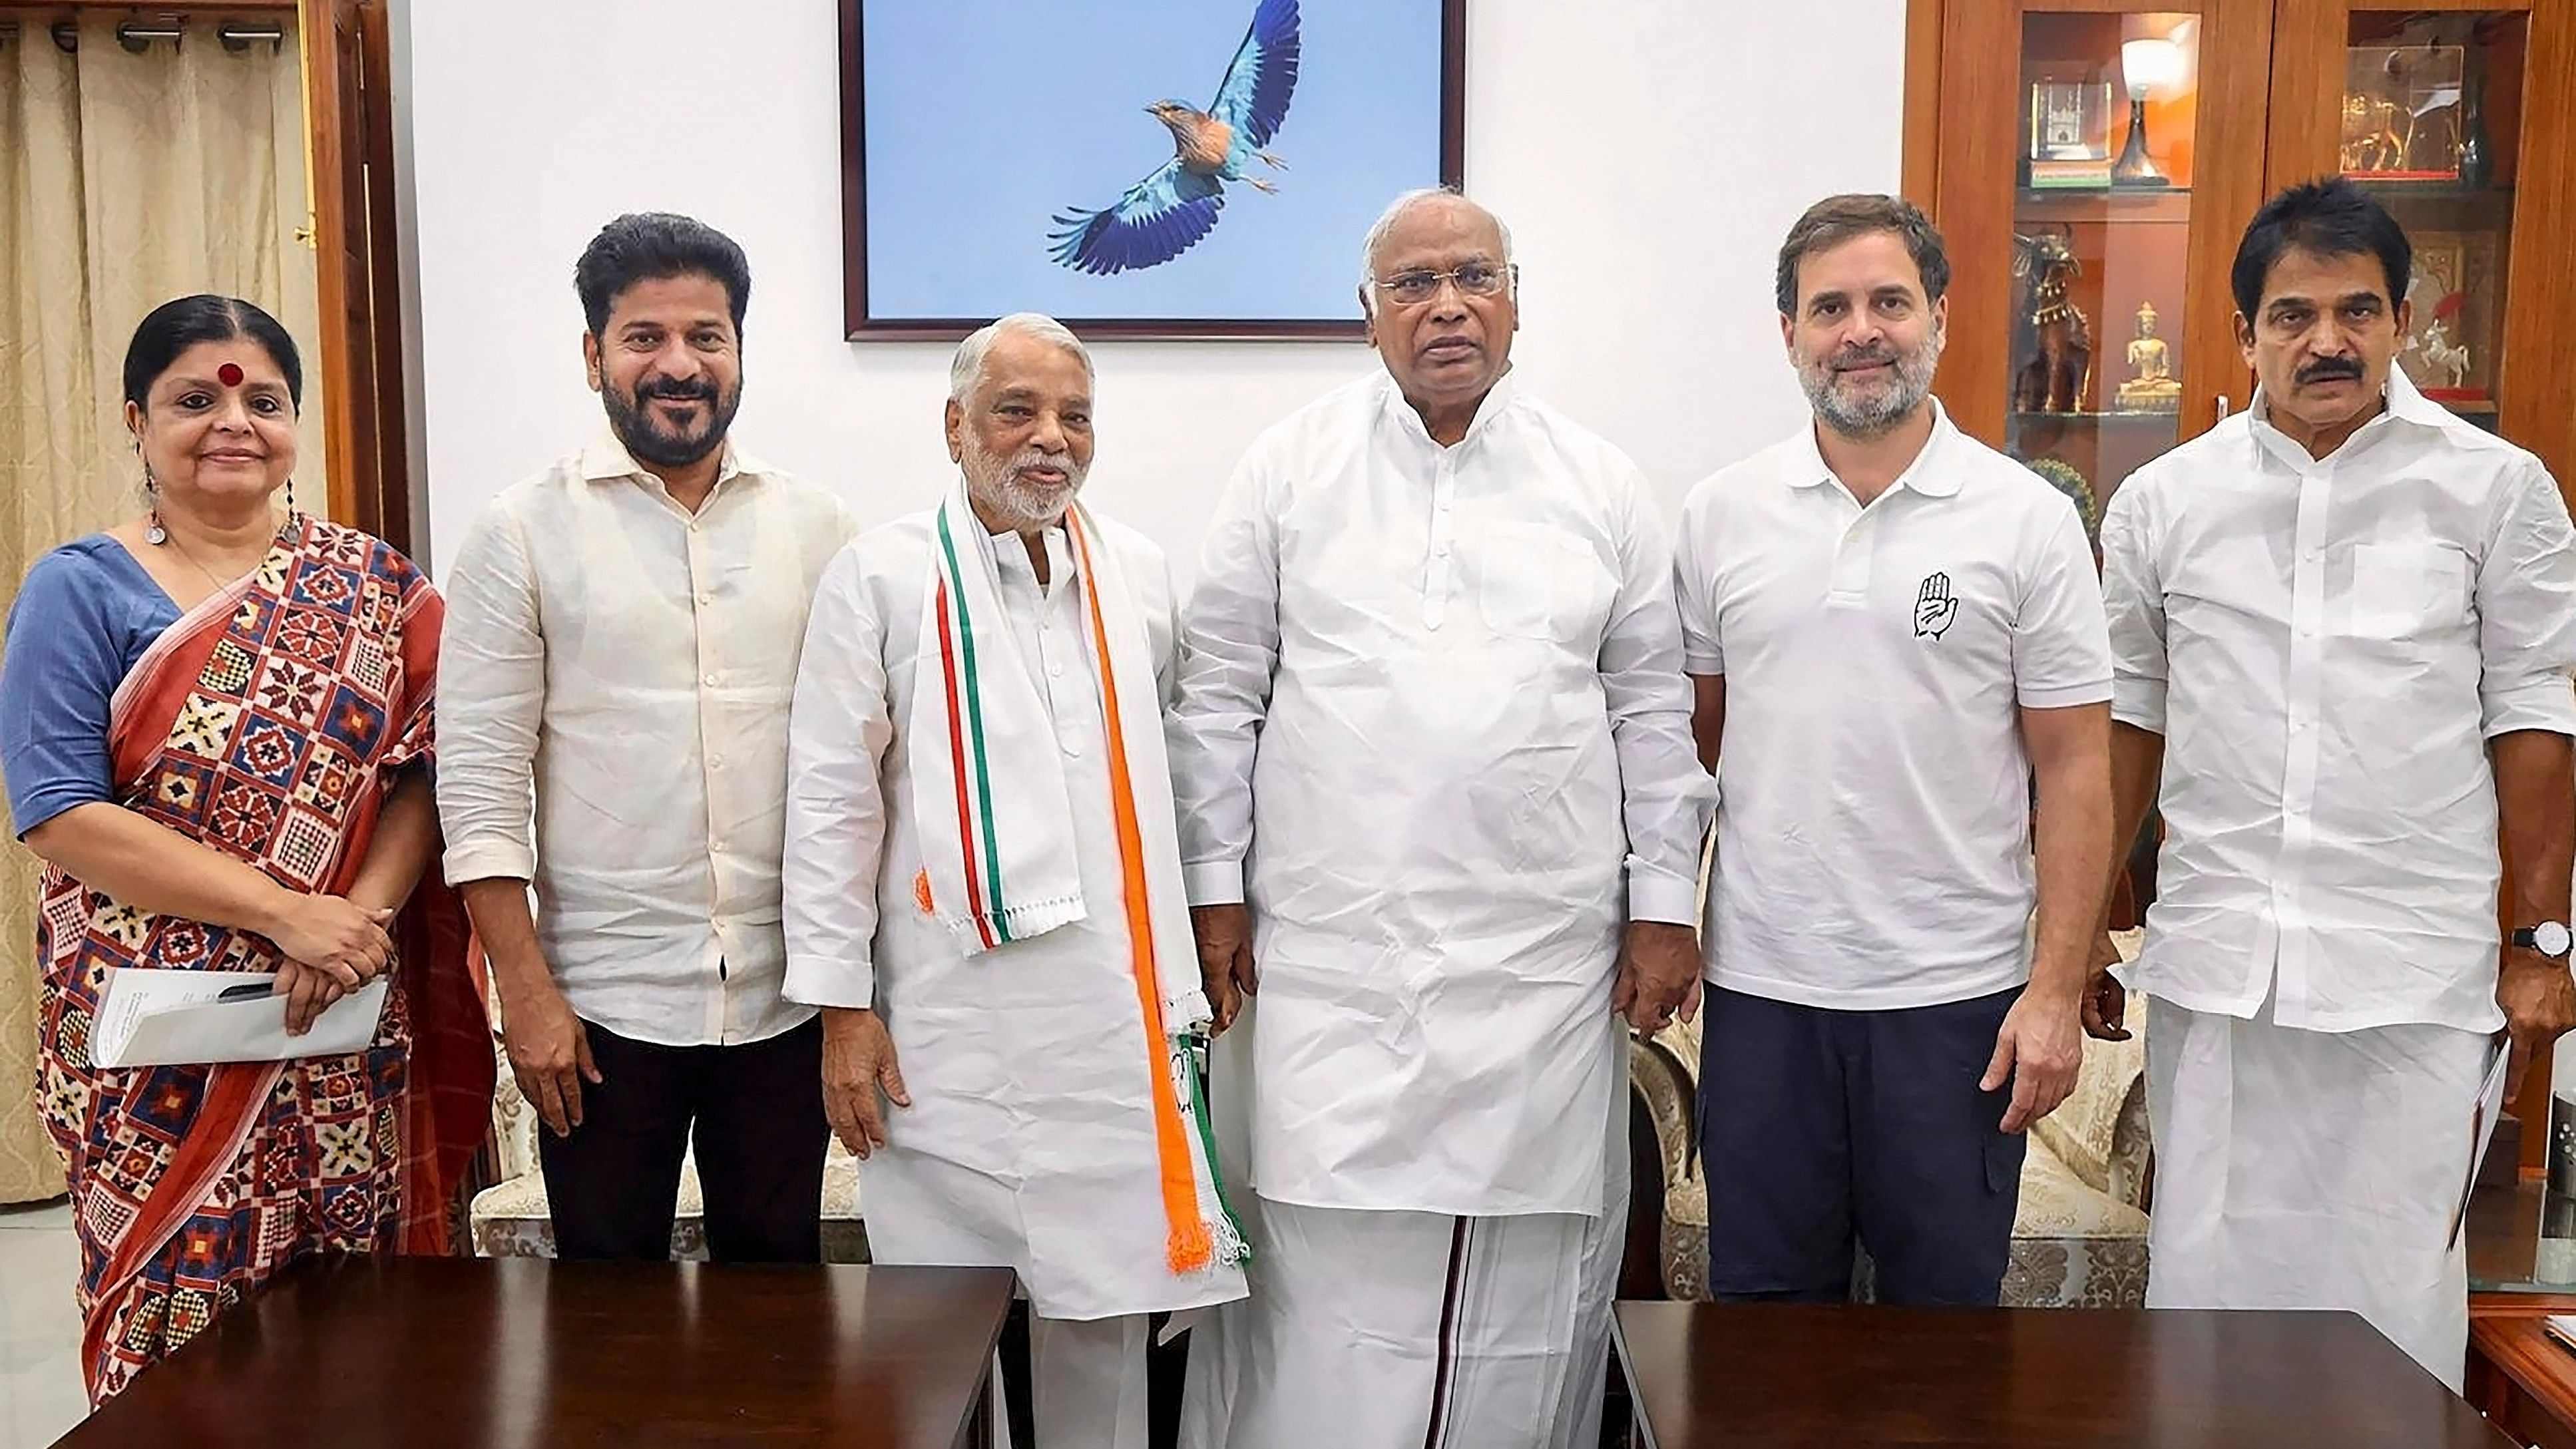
(1891, 630)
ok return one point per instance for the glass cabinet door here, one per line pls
(2100, 247)
(2091, 219)
(2428, 124)
(2462, 120)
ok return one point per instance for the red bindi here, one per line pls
(230, 374)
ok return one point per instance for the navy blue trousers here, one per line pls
(1824, 1129)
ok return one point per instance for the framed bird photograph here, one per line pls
(1136, 168)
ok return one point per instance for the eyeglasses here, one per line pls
(1475, 279)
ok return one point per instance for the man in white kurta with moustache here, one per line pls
(983, 892)
(1440, 807)
(2344, 621)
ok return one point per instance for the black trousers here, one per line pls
(1824, 1128)
(757, 1113)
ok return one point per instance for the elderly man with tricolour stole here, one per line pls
(1439, 806)
(983, 892)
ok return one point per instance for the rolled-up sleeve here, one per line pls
(1229, 652)
(491, 700)
(838, 732)
(2133, 598)
(1665, 796)
(2526, 592)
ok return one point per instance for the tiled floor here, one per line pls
(40, 1384)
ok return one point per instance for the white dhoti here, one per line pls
(1087, 1382)
(1397, 1330)
(2309, 1169)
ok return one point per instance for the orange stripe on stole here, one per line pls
(1190, 1245)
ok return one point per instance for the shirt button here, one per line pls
(1073, 748)
(1056, 667)
(709, 680)
(706, 598)
(715, 762)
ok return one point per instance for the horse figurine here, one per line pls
(2053, 340)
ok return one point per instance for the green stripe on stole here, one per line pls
(982, 766)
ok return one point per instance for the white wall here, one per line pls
(1647, 153)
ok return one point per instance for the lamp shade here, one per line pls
(2150, 67)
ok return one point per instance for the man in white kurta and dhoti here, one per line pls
(983, 893)
(1439, 806)
(2343, 622)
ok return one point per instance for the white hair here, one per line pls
(967, 367)
(1384, 226)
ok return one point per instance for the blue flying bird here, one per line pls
(1165, 214)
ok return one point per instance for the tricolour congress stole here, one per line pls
(996, 827)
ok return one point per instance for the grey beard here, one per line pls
(1875, 416)
(997, 484)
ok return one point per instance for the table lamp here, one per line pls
(2148, 68)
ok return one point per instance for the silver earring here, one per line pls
(153, 532)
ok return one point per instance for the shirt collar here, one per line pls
(2404, 404)
(1926, 475)
(1498, 400)
(1010, 554)
(606, 459)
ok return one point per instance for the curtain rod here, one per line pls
(237, 36)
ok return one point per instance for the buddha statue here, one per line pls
(2153, 388)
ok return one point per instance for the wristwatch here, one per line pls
(2549, 938)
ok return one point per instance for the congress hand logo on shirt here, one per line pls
(1934, 607)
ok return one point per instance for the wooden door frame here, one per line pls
(348, 109)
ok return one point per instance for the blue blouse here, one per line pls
(83, 618)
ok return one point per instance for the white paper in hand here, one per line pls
(2482, 1125)
(170, 1018)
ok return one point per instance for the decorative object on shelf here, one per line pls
(2402, 112)
(2451, 323)
(2053, 345)
(2151, 69)
(2067, 144)
(2061, 475)
(2477, 157)
(2070, 121)
(2152, 387)
(2443, 358)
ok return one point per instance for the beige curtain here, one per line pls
(125, 180)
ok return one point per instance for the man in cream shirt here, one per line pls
(621, 643)
(1439, 807)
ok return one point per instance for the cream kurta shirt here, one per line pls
(624, 667)
(1433, 727)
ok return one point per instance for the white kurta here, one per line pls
(1433, 727)
(1030, 1140)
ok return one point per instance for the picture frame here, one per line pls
(1084, 195)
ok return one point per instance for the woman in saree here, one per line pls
(215, 726)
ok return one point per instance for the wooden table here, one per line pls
(1765, 1376)
(463, 1352)
(2524, 1379)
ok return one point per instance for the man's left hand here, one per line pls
(2038, 1051)
(1659, 970)
(2539, 1001)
